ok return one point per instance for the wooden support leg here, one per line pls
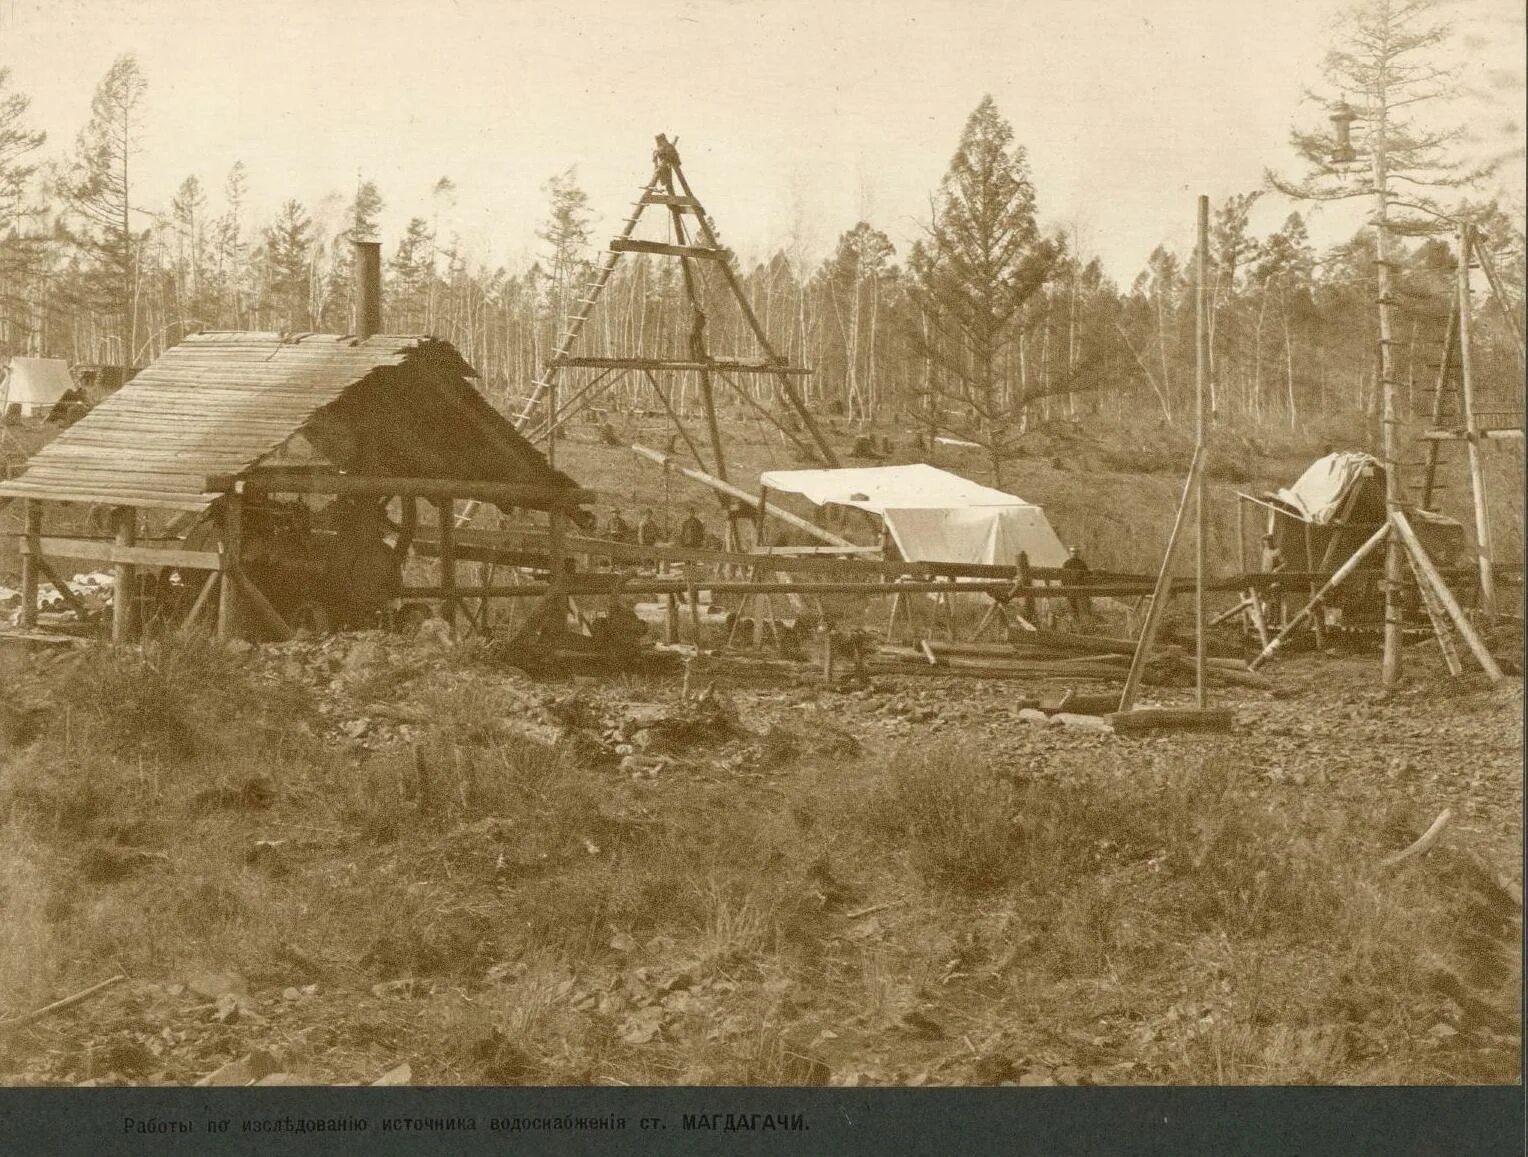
(266, 613)
(671, 619)
(228, 588)
(203, 597)
(1255, 612)
(1313, 606)
(693, 594)
(125, 578)
(30, 556)
(64, 590)
(445, 517)
(1440, 588)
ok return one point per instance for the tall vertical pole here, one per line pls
(30, 558)
(1390, 669)
(124, 577)
(1201, 268)
(1483, 552)
(445, 521)
(229, 549)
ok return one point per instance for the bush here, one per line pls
(957, 818)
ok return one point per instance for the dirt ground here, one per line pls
(737, 875)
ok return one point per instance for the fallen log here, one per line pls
(1240, 677)
(1423, 842)
(1170, 718)
(60, 1005)
(1075, 704)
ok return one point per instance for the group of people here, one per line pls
(692, 534)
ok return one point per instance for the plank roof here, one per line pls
(221, 402)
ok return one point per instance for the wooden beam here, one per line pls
(32, 519)
(229, 549)
(1430, 572)
(753, 500)
(262, 607)
(1483, 551)
(1330, 585)
(1163, 586)
(445, 516)
(109, 551)
(1163, 718)
(787, 387)
(203, 597)
(125, 577)
(65, 591)
(498, 493)
(674, 200)
(677, 365)
(664, 249)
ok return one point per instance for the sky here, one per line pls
(795, 118)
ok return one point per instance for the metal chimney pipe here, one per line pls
(368, 287)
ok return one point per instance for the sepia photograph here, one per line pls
(726, 543)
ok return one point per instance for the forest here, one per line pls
(989, 323)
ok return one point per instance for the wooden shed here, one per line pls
(225, 423)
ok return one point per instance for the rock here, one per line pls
(1030, 715)
(215, 984)
(245, 1071)
(1093, 723)
(401, 1075)
(642, 1026)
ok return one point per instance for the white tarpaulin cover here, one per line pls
(1318, 494)
(931, 514)
(34, 384)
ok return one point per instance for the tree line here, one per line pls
(987, 325)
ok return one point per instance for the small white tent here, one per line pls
(931, 514)
(34, 384)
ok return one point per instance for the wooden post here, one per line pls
(1159, 594)
(1446, 596)
(124, 577)
(229, 548)
(1027, 602)
(29, 559)
(1483, 551)
(692, 593)
(1390, 667)
(1317, 622)
(1330, 585)
(202, 598)
(1241, 535)
(1200, 340)
(445, 517)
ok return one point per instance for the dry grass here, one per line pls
(172, 815)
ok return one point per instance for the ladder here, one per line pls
(585, 306)
(1437, 615)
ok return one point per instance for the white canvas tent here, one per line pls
(34, 384)
(931, 514)
(1318, 494)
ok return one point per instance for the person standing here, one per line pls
(647, 529)
(692, 531)
(618, 529)
(1074, 573)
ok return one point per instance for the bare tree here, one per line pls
(1386, 56)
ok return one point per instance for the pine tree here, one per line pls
(974, 275)
(99, 188)
(23, 247)
(288, 257)
(412, 269)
